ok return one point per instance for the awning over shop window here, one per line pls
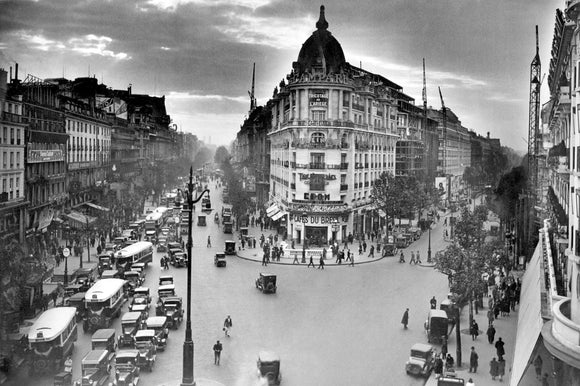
(98, 207)
(277, 216)
(272, 209)
(79, 220)
(530, 317)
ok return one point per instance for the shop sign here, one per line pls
(318, 98)
(317, 196)
(306, 176)
(319, 77)
(322, 220)
(35, 156)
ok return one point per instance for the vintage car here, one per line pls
(111, 247)
(134, 280)
(142, 308)
(119, 241)
(269, 367)
(389, 249)
(139, 303)
(85, 277)
(78, 301)
(72, 289)
(173, 245)
(146, 344)
(159, 324)
(140, 267)
(105, 262)
(95, 368)
(110, 274)
(201, 222)
(165, 291)
(165, 231)
(142, 292)
(179, 259)
(171, 253)
(230, 247)
(131, 322)
(172, 308)
(421, 360)
(228, 227)
(266, 283)
(436, 326)
(64, 378)
(162, 244)
(104, 339)
(450, 309)
(220, 260)
(126, 369)
(165, 279)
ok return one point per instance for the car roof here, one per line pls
(156, 321)
(266, 274)
(145, 333)
(421, 347)
(130, 316)
(142, 289)
(438, 314)
(268, 356)
(127, 353)
(103, 333)
(166, 277)
(166, 287)
(95, 355)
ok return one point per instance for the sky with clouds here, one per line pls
(199, 53)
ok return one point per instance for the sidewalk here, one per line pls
(505, 326)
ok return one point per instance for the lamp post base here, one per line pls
(187, 379)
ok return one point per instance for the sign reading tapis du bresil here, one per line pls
(35, 156)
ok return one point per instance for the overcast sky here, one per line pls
(199, 53)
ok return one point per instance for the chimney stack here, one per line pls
(129, 88)
(10, 74)
(16, 72)
(488, 135)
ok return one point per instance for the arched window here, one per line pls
(318, 138)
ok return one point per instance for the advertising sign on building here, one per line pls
(36, 156)
(318, 98)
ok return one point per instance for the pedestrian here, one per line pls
(538, 365)
(166, 263)
(405, 319)
(491, 334)
(474, 330)
(412, 258)
(433, 303)
(217, 352)
(473, 360)
(311, 262)
(449, 362)
(545, 381)
(348, 256)
(438, 366)
(372, 251)
(418, 261)
(321, 263)
(295, 259)
(360, 249)
(264, 262)
(228, 325)
(351, 258)
(364, 246)
(209, 241)
(501, 369)
(500, 349)
(489, 316)
(493, 368)
(470, 382)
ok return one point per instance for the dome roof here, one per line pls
(321, 50)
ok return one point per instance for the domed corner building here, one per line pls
(333, 132)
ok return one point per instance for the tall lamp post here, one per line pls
(429, 246)
(187, 378)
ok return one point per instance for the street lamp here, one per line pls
(429, 246)
(187, 378)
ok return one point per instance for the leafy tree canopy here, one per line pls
(221, 154)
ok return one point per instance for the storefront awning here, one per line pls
(79, 220)
(97, 207)
(277, 216)
(272, 209)
(530, 320)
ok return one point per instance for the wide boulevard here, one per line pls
(339, 326)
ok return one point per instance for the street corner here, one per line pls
(427, 265)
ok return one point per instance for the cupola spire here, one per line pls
(322, 23)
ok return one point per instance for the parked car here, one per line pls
(266, 283)
(126, 369)
(159, 324)
(269, 367)
(146, 344)
(131, 322)
(436, 326)
(220, 260)
(421, 360)
(95, 368)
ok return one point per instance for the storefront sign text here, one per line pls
(323, 220)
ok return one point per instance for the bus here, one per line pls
(166, 212)
(103, 302)
(51, 339)
(140, 252)
(153, 223)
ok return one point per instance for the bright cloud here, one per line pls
(202, 98)
(86, 46)
(276, 32)
(171, 5)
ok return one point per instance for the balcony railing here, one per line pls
(317, 165)
(344, 166)
(10, 117)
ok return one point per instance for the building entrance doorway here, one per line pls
(316, 236)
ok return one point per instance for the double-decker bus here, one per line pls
(139, 252)
(51, 339)
(103, 302)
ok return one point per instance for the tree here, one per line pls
(509, 188)
(221, 154)
(239, 198)
(396, 196)
(202, 156)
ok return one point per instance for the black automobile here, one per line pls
(126, 368)
(266, 283)
(172, 308)
(269, 367)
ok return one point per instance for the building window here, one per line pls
(12, 136)
(318, 115)
(18, 139)
(319, 138)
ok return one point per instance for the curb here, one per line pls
(305, 264)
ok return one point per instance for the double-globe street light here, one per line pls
(187, 378)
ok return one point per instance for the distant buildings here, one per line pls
(330, 130)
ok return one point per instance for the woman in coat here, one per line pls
(493, 368)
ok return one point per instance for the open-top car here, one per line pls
(126, 368)
(146, 344)
(96, 366)
(220, 260)
(421, 360)
(266, 283)
(158, 324)
(269, 367)
(172, 308)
